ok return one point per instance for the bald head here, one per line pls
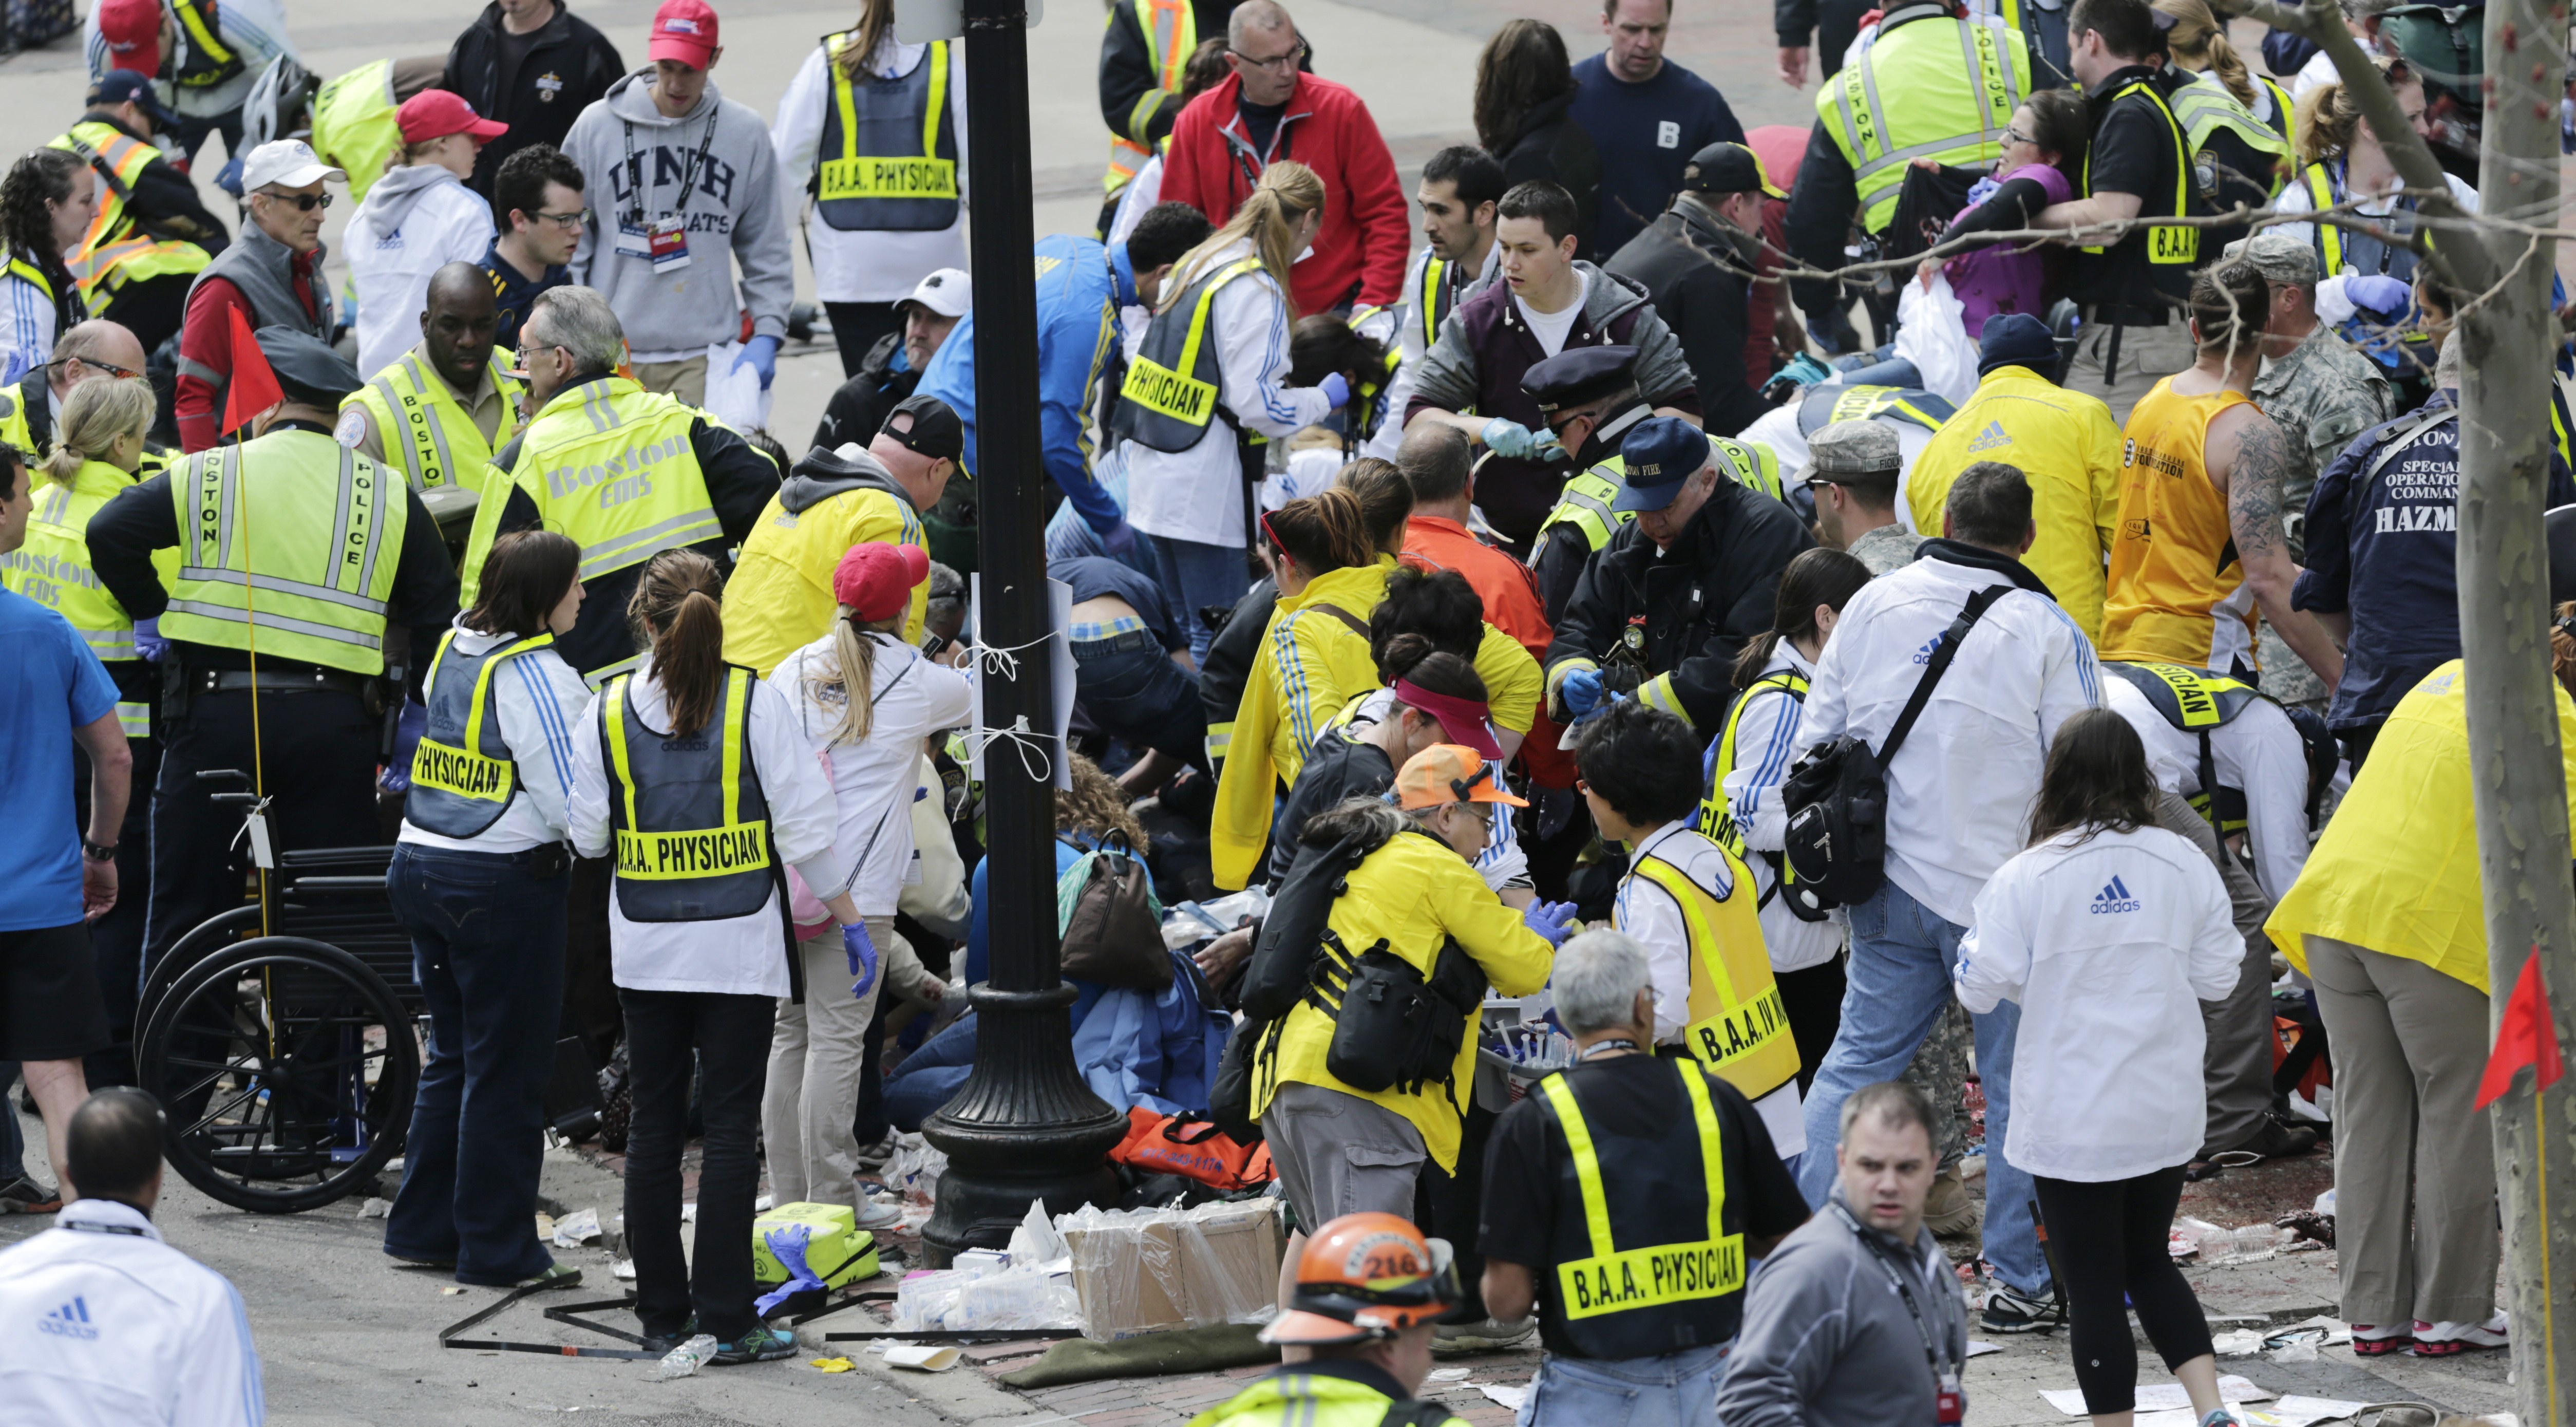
(458, 324)
(1256, 17)
(112, 1148)
(96, 348)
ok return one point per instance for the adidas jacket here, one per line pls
(102, 1324)
(2109, 942)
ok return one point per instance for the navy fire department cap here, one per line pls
(1660, 453)
(1578, 375)
(308, 371)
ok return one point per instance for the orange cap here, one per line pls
(1450, 773)
(1366, 1276)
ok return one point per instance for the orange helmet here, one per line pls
(1367, 1276)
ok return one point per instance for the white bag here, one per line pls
(1932, 333)
(735, 398)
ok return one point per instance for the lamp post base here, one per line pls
(1024, 1127)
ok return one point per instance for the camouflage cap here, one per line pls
(2277, 256)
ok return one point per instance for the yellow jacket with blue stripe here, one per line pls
(780, 597)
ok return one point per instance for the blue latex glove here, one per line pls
(761, 353)
(1506, 437)
(2386, 297)
(863, 957)
(787, 1245)
(1581, 692)
(1549, 920)
(1597, 710)
(1336, 387)
(230, 179)
(1117, 541)
(148, 641)
(1804, 370)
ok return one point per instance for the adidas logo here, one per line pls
(69, 1321)
(1924, 654)
(2114, 898)
(1994, 435)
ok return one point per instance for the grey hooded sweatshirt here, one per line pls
(733, 212)
(1827, 1341)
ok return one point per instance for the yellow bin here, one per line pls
(838, 1251)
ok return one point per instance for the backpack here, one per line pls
(1836, 797)
(1112, 927)
(1193, 1147)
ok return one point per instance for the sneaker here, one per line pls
(1485, 1335)
(665, 1342)
(879, 1215)
(24, 1195)
(876, 1154)
(2007, 1311)
(562, 1275)
(2442, 1340)
(2369, 1341)
(762, 1344)
(2222, 1417)
(1950, 1211)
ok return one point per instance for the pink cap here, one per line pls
(875, 581)
(132, 29)
(684, 30)
(1464, 720)
(435, 114)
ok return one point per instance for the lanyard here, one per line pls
(1932, 1354)
(1597, 1047)
(689, 183)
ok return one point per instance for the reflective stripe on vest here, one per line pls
(1170, 35)
(1868, 403)
(2285, 119)
(1857, 119)
(1584, 503)
(114, 249)
(1737, 1027)
(422, 426)
(463, 775)
(1716, 820)
(1612, 1281)
(889, 182)
(1755, 468)
(610, 465)
(355, 124)
(2196, 701)
(2327, 237)
(2166, 244)
(692, 839)
(1172, 388)
(2205, 106)
(304, 572)
(135, 720)
(53, 567)
(204, 60)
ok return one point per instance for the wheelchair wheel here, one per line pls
(287, 1068)
(203, 939)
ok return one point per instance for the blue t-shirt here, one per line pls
(50, 684)
(1095, 575)
(1645, 133)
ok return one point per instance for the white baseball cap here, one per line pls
(948, 292)
(285, 163)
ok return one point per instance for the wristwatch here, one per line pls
(97, 852)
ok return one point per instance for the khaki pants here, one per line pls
(2147, 355)
(2409, 1044)
(814, 1061)
(685, 380)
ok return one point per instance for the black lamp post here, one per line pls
(1025, 1126)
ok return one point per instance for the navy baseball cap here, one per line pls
(2017, 339)
(120, 85)
(1660, 453)
(1578, 375)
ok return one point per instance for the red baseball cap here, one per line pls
(875, 581)
(435, 114)
(684, 30)
(132, 29)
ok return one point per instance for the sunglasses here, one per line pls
(111, 368)
(1276, 63)
(300, 202)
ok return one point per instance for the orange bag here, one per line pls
(1190, 1145)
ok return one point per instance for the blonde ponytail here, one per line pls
(1287, 192)
(2326, 120)
(2197, 41)
(851, 679)
(98, 413)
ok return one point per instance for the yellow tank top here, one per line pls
(2176, 591)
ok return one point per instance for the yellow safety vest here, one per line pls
(1584, 504)
(53, 569)
(1173, 386)
(13, 423)
(425, 431)
(1292, 1397)
(2166, 244)
(355, 124)
(303, 570)
(1956, 83)
(876, 188)
(1716, 821)
(115, 250)
(1614, 1280)
(1737, 1025)
(2285, 117)
(1171, 30)
(610, 465)
(2204, 107)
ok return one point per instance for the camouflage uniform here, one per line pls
(1940, 1071)
(2322, 395)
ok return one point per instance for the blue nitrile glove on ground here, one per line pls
(1506, 437)
(1550, 920)
(1335, 387)
(2385, 298)
(761, 353)
(788, 1246)
(862, 952)
(1581, 692)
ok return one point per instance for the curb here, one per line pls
(962, 1394)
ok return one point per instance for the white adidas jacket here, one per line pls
(417, 219)
(2109, 943)
(104, 1325)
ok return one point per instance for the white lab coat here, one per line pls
(1959, 791)
(1766, 744)
(734, 956)
(865, 265)
(538, 698)
(2258, 752)
(109, 1326)
(2109, 944)
(875, 778)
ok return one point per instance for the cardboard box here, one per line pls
(1151, 1271)
(839, 1251)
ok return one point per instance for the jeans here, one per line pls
(1898, 983)
(931, 1076)
(1195, 576)
(731, 1037)
(487, 940)
(1676, 1390)
(1135, 693)
(1879, 368)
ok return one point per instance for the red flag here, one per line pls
(253, 388)
(2527, 1037)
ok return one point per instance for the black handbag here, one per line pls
(1836, 797)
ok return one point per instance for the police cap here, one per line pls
(308, 371)
(1578, 375)
(1660, 453)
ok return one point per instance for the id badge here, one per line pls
(632, 242)
(1949, 1403)
(669, 238)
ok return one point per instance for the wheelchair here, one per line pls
(287, 1060)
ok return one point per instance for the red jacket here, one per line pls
(206, 337)
(1362, 247)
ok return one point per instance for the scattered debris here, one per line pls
(1504, 1395)
(375, 1209)
(1450, 1374)
(576, 1229)
(686, 1359)
(834, 1364)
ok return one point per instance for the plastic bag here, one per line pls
(967, 1300)
(1933, 335)
(1035, 1242)
(735, 398)
(1143, 1271)
(913, 1170)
